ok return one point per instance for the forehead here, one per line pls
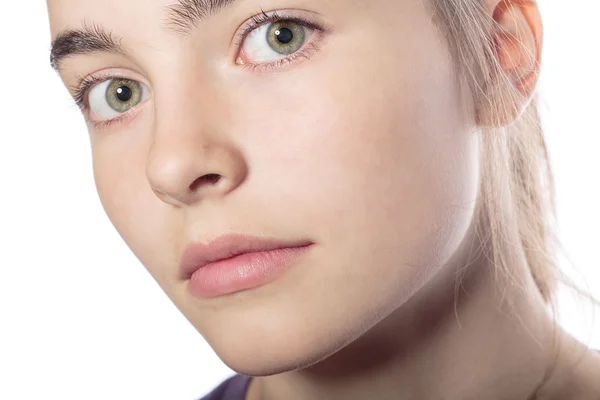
(88, 24)
(142, 15)
(174, 15)
(124, 16)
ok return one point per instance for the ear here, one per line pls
(518, 45)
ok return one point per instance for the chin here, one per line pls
(257, 352)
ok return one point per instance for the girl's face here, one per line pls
(362, 141)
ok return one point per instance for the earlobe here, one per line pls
(519, 44)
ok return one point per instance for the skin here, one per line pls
(370, 149)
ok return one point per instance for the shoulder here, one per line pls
(233, 388)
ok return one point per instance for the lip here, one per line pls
(199, 255)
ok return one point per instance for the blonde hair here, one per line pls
(514, 155)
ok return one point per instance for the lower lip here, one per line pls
(243, 272)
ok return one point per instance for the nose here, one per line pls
(192, 157)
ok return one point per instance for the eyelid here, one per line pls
(121, 119)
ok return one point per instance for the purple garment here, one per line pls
(234, 388)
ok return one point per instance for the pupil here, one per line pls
(124, 93)
(284, 35)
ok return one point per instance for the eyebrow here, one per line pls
(185, 14)
(181, 17)
(81, 41)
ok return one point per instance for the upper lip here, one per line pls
(197, 255)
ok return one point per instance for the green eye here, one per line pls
(275, 41)
(123, 94)
(285, 37)
(116, 96)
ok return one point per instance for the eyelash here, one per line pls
(87, 83)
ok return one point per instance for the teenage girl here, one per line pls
(348, 199)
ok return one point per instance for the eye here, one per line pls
(113, 97)
(274, 41)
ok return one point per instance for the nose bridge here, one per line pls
(184, 96)
(189, 155)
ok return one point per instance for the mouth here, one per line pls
(237, 262)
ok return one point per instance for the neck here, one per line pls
(487, 338)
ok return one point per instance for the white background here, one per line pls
(80, 318)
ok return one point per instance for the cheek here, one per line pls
(382, 171)
(144, 222)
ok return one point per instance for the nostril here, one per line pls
(209, 178)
